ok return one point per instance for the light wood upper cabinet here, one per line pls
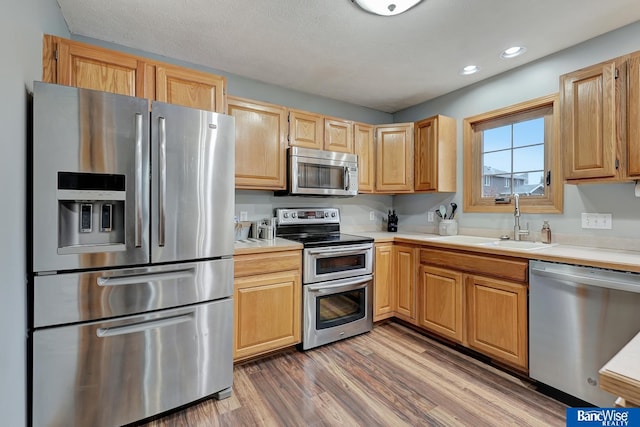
(72, 63)
(633, 117)
(190, 88)
(591, 111)
(440, 304)
(261, 132)
(394, 158)
(267, 302)
(306, 129)
(497, 319)
(383, 282)
(364, 148)
(435, 154)
(405, 271)
(82, 65)
(338, 135)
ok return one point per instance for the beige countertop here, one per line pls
(621, 375)
(594, 257)
(251, 246)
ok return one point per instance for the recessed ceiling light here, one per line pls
(386, 8)
(512, 52)
(470, 69)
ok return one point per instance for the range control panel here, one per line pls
(308, 216)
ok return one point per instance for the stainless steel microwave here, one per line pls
(320, 173)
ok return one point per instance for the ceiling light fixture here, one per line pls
(512, 52)
(386, 7)
(470, 69)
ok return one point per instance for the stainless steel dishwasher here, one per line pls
(579, 317)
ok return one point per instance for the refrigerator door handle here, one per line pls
(144, 278)
(144, 326)
(162, 179)
(138, 182)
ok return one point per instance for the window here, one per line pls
(514, 150)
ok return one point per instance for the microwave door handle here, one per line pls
(138, 182)
(347, 178)
(162, 179)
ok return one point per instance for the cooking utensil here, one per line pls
(454, 206)
(438, 213)
(443, 212)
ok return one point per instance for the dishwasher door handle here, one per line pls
(575, 280)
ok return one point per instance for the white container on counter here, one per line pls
(448, 227)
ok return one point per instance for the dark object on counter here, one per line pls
(392, 221)
(545, 233)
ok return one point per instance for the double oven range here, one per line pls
(337, 275)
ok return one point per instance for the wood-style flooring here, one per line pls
(392, 376)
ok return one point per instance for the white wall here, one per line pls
(527, 82)
(22, 23)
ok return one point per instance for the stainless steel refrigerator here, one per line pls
(131, 288)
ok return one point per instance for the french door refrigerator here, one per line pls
(131, 280)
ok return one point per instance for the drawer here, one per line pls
(494, 266)
(271, 262)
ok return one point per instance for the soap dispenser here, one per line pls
(545, 233)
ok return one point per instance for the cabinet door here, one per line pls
(267, 313)
(383, 282)
(404, 268)
(394, 158)
(191, 88)
(435, 154)
(588, 108)
(364, 148)
(633, 117)
(91, 67)
(261, 131)
(338, 135)
(440, 305)
(306, 129)
(497, 319)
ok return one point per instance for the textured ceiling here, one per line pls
(334, 49)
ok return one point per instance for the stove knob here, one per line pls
(293, 215)
(286, 214)
(333, 214)
(326, 214)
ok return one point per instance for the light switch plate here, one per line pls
(372, 216)
(430, 217)
(243, 216)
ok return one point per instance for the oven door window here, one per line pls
(340, 263)
(340, 308)
(313, 175)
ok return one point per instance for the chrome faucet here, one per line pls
(517, 232)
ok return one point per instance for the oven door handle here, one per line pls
(349, 250)
(342, 286)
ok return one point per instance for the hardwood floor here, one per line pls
(392, 376)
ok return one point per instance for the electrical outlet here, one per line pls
(597, 221)
(430, 216)
(243, 216)
(372, 216)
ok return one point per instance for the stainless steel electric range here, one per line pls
(337, 275)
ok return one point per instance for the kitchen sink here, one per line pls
(523, 245)
(465, 240)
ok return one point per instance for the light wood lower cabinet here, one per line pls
(267, 302)
(477, 300)
(404, 272)
(497, 319)
(440, 303)
(383, 282)
(395, 282)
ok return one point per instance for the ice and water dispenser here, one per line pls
(91, 212)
